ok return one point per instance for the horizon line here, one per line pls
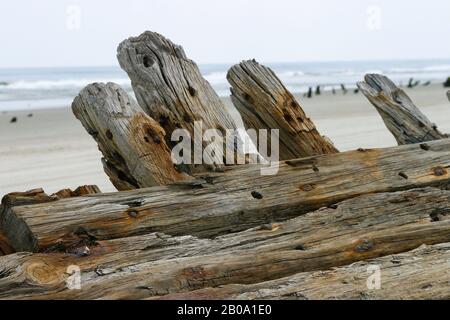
(232, 63)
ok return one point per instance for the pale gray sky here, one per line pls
(86, 32)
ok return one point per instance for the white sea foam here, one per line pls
(216, 77)
(428, 69)
(59, 84)
(39, 87)
(444, 67)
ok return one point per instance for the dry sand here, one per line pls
(52, 150)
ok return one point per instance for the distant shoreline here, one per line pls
(31, 89)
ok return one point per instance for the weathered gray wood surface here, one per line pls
(170, 88)
(235, 200)
(152, 265)
(265, 103)
(422, 274)
(35, 196)
(135, 151)
(401, 116)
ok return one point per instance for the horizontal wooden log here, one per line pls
(33, 197)
(265, 103)
(236, 200)
(154, 265)
(38, 195)
(401, 116)
(26, 198)
(133, 145)
(170, 88)
(420, 274)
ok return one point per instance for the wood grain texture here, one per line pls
(26, 198)
(170, 88)
(135, 153)
(156, 264)
(38, 195)
(35, 196)
(5, 245)
(265, 103)
(78, 192)
(399, 113)
(236, 200)
(422, 274)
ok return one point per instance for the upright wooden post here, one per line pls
(135, 151)
(265, 103)
(403, 119)
(170, 88)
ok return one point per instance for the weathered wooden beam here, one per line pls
(420, 274)
(170, 88)
(265, 103)
(401, 116)
(448, 95)
(35, 196)
(235, 200)
(155, 264)
(135, 151)
(19, 198)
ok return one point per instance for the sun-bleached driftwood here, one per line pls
(401, 116)
(265, 103)
(170, 88)
(419, 274)
(235, 200)
(135, 152)
(153, 265)
(33, 196)
(36, 196)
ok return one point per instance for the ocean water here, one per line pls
(34, 88)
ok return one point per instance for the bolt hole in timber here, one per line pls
(257, 195)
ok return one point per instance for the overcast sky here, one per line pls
(86, 32)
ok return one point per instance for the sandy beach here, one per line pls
(53, 151)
